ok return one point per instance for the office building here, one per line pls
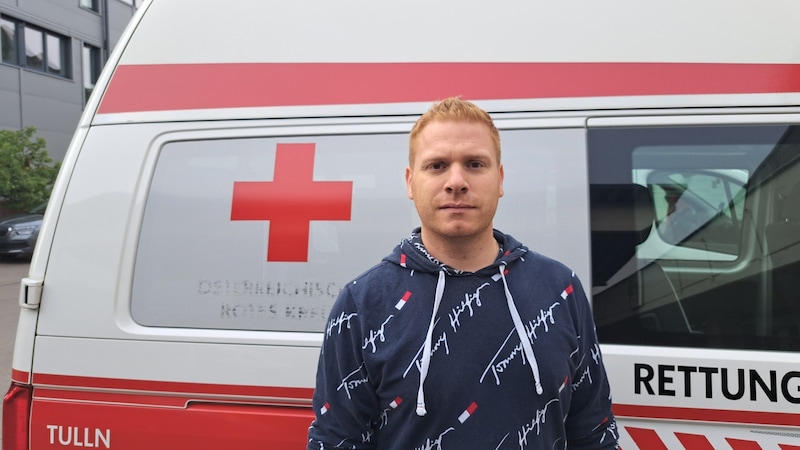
(52, 54)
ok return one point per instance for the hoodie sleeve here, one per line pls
(590, 423)
(345, 402)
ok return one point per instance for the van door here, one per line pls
(190, 315)
(694, 286)
(192, 273)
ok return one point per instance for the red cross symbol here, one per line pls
(291, 201)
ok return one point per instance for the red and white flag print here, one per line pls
(497, 276)
(567, 291)
(468, 412)
(564, 384)
(403, 300)
(325, 408)
(396, 402)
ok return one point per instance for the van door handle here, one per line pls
(30, 293)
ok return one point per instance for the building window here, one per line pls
(55, 54)
(34, 48)
(45, 51)
(93, 5)
(8, 40)
(91, 69)
(134, 3)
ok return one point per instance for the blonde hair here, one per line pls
(457, 110)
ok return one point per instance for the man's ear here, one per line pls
(502, 177)
(408, 183)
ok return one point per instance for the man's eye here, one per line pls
(437, 166)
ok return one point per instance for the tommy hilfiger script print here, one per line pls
(479, 383)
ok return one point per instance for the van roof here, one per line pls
(280, 58)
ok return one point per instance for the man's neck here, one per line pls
(467, 254)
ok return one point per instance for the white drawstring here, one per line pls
(426, 352)
(523, 335)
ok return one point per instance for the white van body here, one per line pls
(240, 161)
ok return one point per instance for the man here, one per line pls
(462, 338)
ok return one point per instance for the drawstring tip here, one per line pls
(539, 389)
(421, 411)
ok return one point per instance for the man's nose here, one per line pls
(456, 179)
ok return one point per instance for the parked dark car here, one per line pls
(18, 232)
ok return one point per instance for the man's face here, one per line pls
(455, 179)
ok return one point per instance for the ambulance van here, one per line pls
(240, 161)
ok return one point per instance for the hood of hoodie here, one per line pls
(412, 255)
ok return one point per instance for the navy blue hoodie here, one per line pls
(418, 355)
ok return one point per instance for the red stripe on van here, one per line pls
(19, 376)
(96, 383)
(739, 444)
(707, 415)
(694, 441)
(77, 411)
(197, 426)
(134, 398)
(163, 87)
(646, 438)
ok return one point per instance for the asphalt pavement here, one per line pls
(11, 272)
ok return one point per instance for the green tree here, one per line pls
(27, 172)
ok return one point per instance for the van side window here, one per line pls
(250, 233)
(698, 209)
(696, 236)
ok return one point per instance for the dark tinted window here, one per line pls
(91, 69)
(696, 236)
(93, 5)
(8, 40)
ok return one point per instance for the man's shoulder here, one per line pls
(374, 273)
(536, 261)
(532, 259)
(374, 278)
